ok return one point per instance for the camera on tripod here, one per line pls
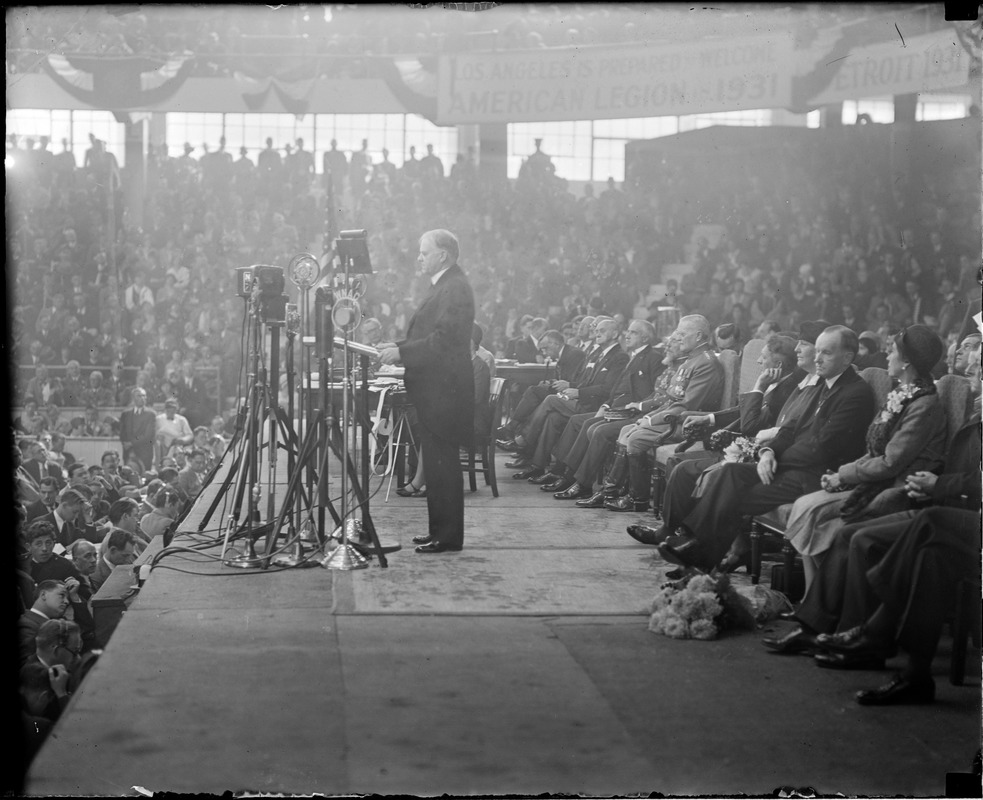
(265, 284)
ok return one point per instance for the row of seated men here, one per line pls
(41, 473)
(857, 475)
(68, 554)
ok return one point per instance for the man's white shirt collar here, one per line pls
(437, 277)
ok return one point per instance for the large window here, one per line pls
(879, 109)
(75, 126)
(193, 129)
(941, 106)
(393, 132)
(595, 151)
(567, 143)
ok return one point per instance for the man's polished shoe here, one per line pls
(646, 535)
(507, 444)
(626, 503)
(546, 477)
(527, 473)
(595, 500)
(798, 640)
(868, 660)
(856, 643)
(438, 547)
(573, 492)
(422, 539)
(560, 485)
(519, 463)
(900, 690)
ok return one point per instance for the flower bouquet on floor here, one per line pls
(700, 607)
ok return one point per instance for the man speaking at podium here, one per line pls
(436, 355)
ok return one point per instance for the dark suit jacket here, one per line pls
(598, 378)
(68, 534)
(48, 470)
(36, 509)
(72, 531)
(637, 379)
(570, 362)
(522, 349)
(437, 356)
(139, 430)
(756, 411)
(832, 431)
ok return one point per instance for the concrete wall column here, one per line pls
(134, 175)
(902, 132)
(493, 151)
(831, 116)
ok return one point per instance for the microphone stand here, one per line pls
(345, 556)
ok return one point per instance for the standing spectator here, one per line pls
(358, 170)
(431, 167)
(335, 167)
(269, 168)
(303, 167)
(172, 429)
(137, 429)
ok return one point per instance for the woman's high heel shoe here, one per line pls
(409, 490)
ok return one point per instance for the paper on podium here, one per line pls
(357, 347)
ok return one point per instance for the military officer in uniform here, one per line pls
(697, 384)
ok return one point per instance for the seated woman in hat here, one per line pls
(907, 436)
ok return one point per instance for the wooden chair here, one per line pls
(965, 623)
(956, 396)
(480, 457)
(880, 382)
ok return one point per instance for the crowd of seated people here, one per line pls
(76, 526)
(857, 476)
(790, 252)
(581, 268)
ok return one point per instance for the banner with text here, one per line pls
(614, 83)
(925, 63)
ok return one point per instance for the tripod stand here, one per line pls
(324, 428)
(246, 467)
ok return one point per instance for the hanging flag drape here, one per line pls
(119, 83)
